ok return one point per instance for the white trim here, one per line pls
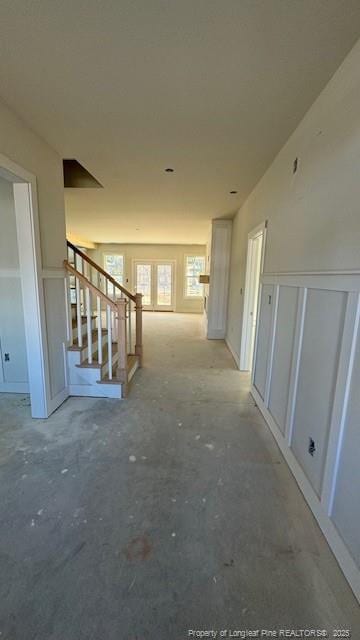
(245, 357)
(28, 237)
(295, 364)
(329, 272)
(329, 530)
(341, 399)
(2, 372)
(14, 387)
(273, 327)
(338, 281)
(33, 297)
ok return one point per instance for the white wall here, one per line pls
(308, 326)
(24, 147)
(13, 373)
(313, 215)
(156, 252)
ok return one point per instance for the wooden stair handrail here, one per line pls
(101, 270)
(89, 284)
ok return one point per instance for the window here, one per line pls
(114, 265)
(194, 266)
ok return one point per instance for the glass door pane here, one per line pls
(164, 285)
(143, 282)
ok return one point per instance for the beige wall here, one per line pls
(175, 252)
(313, 215)
(21, 145)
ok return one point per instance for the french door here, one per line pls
(155, 280)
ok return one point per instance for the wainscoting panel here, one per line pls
(54, 297)
(306, 383)
(263, 338)
(346, 506)
(323, 327)
(283, 351)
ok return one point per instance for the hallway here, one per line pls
(169, 511)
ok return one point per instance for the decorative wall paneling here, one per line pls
(306, 380)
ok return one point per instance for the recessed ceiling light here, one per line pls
(169, 170)
(232, 192)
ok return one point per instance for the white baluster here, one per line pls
(70, 336)
(78, 311)
(109, 330)
(88, 322)
(99, 329)
(129, 327)
(78, 263)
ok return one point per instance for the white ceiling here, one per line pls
(212, 88)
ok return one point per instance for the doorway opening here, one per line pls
(22, 293)
(155, 280)
(254, 268)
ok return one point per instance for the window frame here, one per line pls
(118, 255)
(186, 295)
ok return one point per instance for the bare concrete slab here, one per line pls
(169, 511)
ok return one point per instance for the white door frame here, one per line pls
(28, 239)
(154, 262)
(245, 355)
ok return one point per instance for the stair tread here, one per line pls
(94, 333)
(95, 363)
(83, 320)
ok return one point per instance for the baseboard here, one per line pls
(336, 543)
(233, 353)
(14, 387)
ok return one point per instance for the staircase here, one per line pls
(104, 326)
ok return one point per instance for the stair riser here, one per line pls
(84, 354)
(83, 381)
(81, 375)
(105, 367)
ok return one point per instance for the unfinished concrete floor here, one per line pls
(169, 511)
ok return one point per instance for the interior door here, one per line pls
(155, 280)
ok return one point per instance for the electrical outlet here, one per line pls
(7, 357)
(312, 447)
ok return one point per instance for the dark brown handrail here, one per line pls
(102, 271)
